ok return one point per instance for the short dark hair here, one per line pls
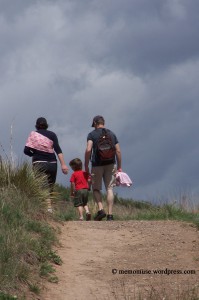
(76, 164)
(97, 120)
(41, 123)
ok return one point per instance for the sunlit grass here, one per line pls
(26, 238)
(128, 209)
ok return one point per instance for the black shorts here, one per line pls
(49, 169)
(81, 198)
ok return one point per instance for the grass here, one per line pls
(126, 209)
(27, 239)
(4, 296)
(121, 291)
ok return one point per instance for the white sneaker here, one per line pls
(50, 210)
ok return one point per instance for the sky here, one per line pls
(135, 62)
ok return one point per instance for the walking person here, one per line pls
(102, 169)
(42, 145)
(79, 188)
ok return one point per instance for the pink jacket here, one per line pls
(122, 179)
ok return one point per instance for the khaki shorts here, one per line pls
(105, 173)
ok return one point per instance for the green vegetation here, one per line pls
(27, 239)
(127, 209)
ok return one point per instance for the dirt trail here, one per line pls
(92, 251)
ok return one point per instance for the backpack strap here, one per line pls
(104, 131)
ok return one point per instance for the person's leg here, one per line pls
(88, 214)
(80, 211)
(109, 181)
(97, 174)
(84, 193)
(85, 203)
(98, 199)
(78, 203)
(47, 172)
(110, 200)
(51, 172)
(86, 208)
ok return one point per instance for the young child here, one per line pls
(79, 188)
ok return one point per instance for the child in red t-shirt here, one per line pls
(79, 188)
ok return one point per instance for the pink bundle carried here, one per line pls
(122, 179)
(39, 142)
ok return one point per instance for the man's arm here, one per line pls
(88, 155)
(118, 156)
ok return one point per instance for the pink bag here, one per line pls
(122, 179)
(39, 142)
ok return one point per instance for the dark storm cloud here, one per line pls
(148, 36)
(135, 62)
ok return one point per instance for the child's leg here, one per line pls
(86, 208)
(88, 215)
(80, 211)
(85, 201)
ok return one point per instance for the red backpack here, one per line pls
(105, 147)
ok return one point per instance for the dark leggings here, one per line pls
(49, 169)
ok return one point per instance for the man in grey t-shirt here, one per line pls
(101, 171)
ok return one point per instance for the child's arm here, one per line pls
(72, 189)
(89, 182)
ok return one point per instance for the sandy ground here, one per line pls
(117, 260)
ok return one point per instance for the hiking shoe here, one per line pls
(88, 216)
(109, 218)
(100, 215)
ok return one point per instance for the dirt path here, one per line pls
(93, 251)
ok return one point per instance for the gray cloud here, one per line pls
(134, 62)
